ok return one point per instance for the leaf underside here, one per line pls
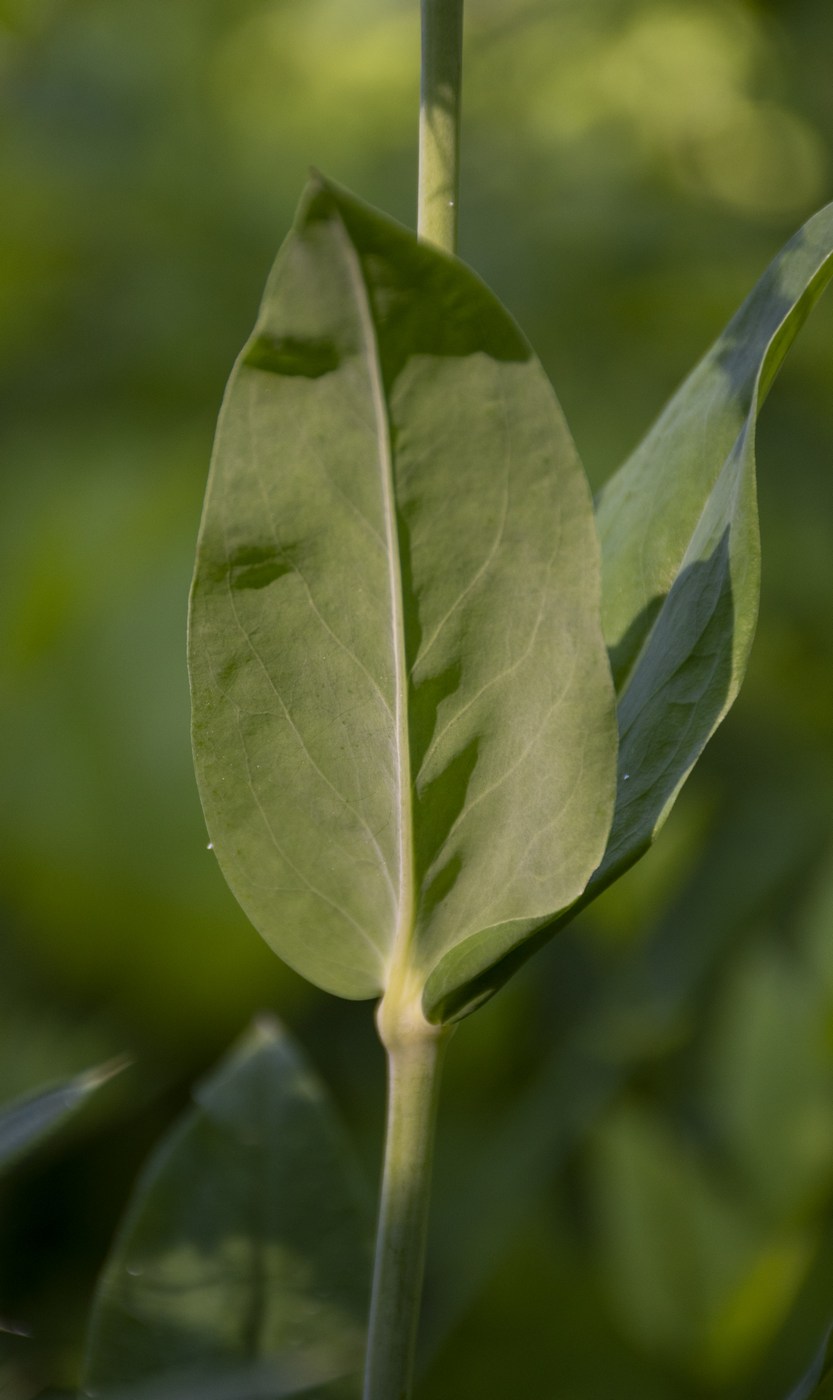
(403, 725)
(241, 1269)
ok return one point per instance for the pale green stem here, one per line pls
(414, 1048)
(414, 1064)
(439, 122)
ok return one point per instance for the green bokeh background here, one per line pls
(635, 1174)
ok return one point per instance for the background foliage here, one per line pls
(635, 1177)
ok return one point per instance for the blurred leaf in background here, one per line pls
(27, 1122)
(247, 1242)
(655, 1101)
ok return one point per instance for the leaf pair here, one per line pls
(405, 728)
(679, 531)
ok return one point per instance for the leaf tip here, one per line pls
(93, 1078)
(266, 1029)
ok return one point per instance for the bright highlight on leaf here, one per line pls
(404, 729)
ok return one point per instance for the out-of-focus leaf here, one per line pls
(680, 549)
(691, 1274)
(767, 1062)
(635, 1014)
(255, 1382)
(246, 1244)
(818, 1381)
(403, 717)
(27, 1122)
(678, 527)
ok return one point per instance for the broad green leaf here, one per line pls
(245, 1250)
(625, 1023)
(25, 1123)
(680, 549)
(403, 718)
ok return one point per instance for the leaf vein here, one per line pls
(499, 533)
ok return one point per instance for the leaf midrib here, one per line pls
(405, 849)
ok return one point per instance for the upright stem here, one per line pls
(439, 122)
(415, 1055)
(414, 1048)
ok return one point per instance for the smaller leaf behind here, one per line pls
(681, 553)
(245, 1249)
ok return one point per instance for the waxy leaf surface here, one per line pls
(680, 547)
(244, 1259)
(404, 729)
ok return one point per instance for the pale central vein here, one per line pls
(401, 737)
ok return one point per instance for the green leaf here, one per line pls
(27, 1122)
(244, 1258)
(625, 1022)
(680, 548)
(403, 718)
